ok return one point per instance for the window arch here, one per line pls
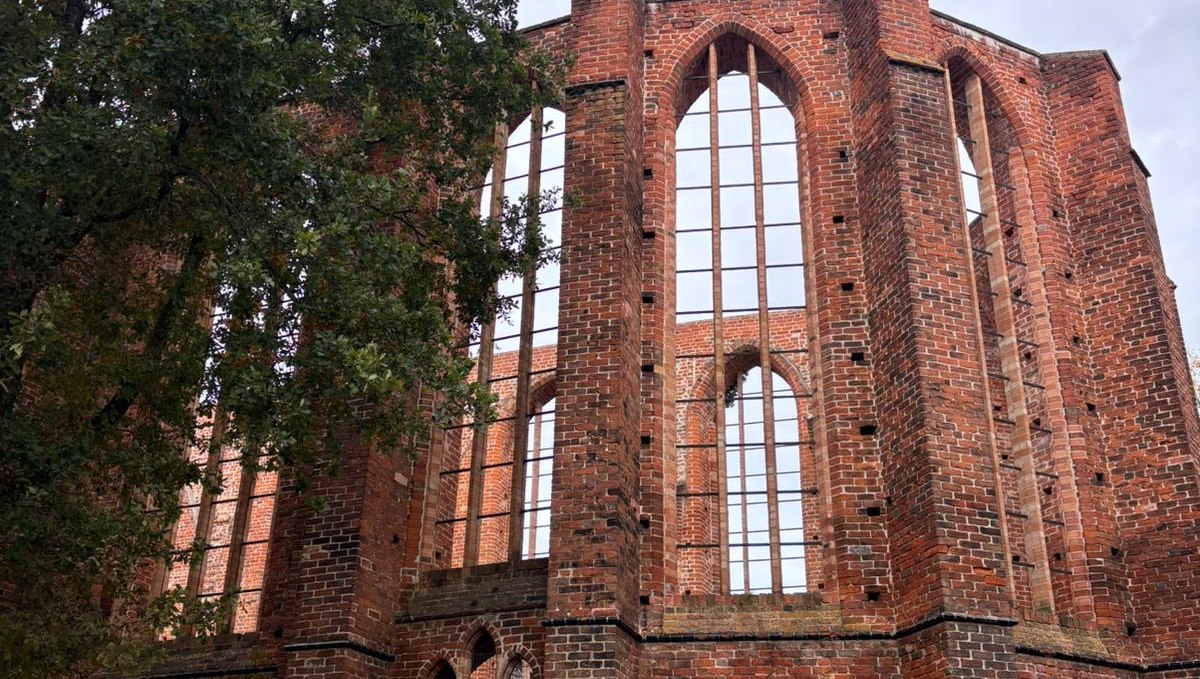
(739, 281)
(443, 671)
(1007, 287)
(482, 651)
(486, 513)
(758, 486)
(234, 525)
(539, 481)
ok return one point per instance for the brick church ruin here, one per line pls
(859, 359)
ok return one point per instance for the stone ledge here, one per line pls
(789, 615)
(226, 655)
(491, 588)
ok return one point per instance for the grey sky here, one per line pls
(1156, 46)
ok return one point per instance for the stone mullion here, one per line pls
(484, 375)
(1010, 353)
(718, 297)
(1062, 446)
(525, 353)
(535, 482)
(162, 573)
(237, 535)
(764, 327)
(247, 483)
(207, 500)
(432, 503)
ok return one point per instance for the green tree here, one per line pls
(270, 159)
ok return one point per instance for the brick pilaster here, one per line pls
(594, 537)
(334, 580)
(1136, 355)
(944, 517)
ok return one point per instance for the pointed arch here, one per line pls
(520, 658)
(479, 628)
(768, 520)
(481, 507)
(963, 58)
(691, 48)
(443, 665)
(740, 268)
(1000, 230)
(482, 652)
(746, 356)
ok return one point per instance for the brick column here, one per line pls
(334, 578)
(1137, 357)
(943, 520)
(592, 598)
(855, 557)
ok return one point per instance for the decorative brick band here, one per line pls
(225, 672)
(898, 59)
(832, 636)
(517, 608)
(1109, 664)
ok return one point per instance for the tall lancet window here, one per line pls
(1000, 232)
(740, 321)
(232, 520)
(495, 485)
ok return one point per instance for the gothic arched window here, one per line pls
(483, 656)
(740, 282)
(996, 226)
(539, 479)
(757, 486)
(232, 521)
(493, 510)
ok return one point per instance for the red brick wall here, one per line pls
(913, 577)
(1130, 336)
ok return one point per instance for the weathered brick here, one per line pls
(969, 526)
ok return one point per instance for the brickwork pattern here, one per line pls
(1005, 449)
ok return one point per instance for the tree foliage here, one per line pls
(268, 159)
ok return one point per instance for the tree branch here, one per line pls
(118, 406)
(46, 264)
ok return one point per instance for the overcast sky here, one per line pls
(1156, 47)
